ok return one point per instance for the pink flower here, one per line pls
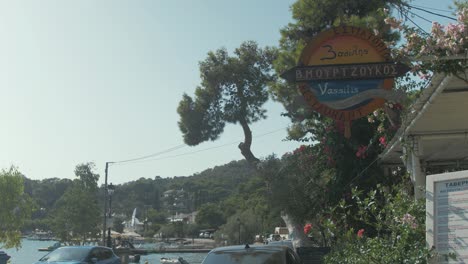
(300, 149)
(398, 106)
(462, 15)
(360, 233)
(383, 141)
(307, 228)
(361, 152)
(409, 220)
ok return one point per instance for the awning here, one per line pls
(439, 121)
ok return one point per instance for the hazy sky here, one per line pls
(100, 80)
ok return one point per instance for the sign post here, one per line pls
(346, 73)
(447, 214)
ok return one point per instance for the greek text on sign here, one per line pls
(346, 72)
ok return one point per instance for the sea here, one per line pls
(28, 254)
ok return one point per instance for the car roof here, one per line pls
(88, 247)
(238, 248)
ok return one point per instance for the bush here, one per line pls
(384, 226)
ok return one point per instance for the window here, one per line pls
(106, 253)
(291, 258)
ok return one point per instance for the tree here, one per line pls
(15, 207)
(233, 90)
(209, 216)
(316, 176)
(88, 179)
(312, 17)
(77, 214)
(118, 224)
(156, 216)
(245, 224)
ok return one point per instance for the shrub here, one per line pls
(391, 228)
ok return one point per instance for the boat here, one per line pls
(51, 248)
(180, 260)
(4, 257)
(40, 235)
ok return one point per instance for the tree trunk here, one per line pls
(296, 232)
(245, 146)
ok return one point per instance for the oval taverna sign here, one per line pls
(346, 73)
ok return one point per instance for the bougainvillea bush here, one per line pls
(434, 51)
(385, 225)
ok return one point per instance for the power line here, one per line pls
(421, 17)
(201, 150)
(430, 12)
(409, 19)
(149, 156)
(432, 8)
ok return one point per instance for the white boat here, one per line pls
(180, 260)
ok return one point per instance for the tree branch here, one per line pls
(245, 146)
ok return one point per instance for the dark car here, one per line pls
(252, 255)
(81, 255)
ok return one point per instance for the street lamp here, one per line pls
(110, 191)
(239, 224)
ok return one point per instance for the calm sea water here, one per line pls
(29, 254)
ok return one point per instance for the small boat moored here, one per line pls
(51, 248)
(180, 260)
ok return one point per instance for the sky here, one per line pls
(100, 81)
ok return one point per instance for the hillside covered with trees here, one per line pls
(219, 195)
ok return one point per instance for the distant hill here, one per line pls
(190, 192)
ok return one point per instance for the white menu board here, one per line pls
(450, 218)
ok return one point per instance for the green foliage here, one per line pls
(118, 224)
(233, 90)
(294, 183)
(88, 179)
(77, 215)
(15, 207)
(248, 222)
(191, 230)
(156, 216)
(210, 216)
(46, 192)
(391, 224)
(137, 194)
(214, 185)
(435, 46)
(311, 17)
(168, 230)
(460, 4)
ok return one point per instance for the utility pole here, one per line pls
(105, 206)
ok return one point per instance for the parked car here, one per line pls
(287, 243)
(274, 237)
(81, 255)
(258, 254)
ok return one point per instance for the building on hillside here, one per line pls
(176, 201)
(184, 218)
